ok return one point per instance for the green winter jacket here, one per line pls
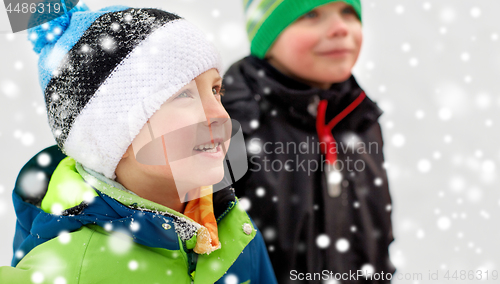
(103, 234)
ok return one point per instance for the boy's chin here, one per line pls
(207, 176)
(213, 176)
(327, 77)
(338, 76)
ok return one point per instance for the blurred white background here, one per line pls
(432, 66)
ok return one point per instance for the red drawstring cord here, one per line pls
(327, 142)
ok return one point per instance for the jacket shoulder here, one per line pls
(239, 96)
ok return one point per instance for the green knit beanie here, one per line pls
(266, 19)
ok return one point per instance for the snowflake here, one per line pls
(215, 13)
(133, 265)
(64, 237)
(424, 166)
(260, 192)
(229, 80)
(254, 124)
(406, 47)
(323, 241)
(413, 62)
(18, 65)
(37, 277)
(60, 280)
(120, 242)
(108, 43)
(19, 254)
(475, 12)
(115, 27)
(56, 209)
(43, 159)
(134, 226)
(399, 9)
(444, 223)
(420, 234)
(465, 56)
(270, 234)
(33, 183)
(367, 269)
(254, 146)
(245, 203)
(447, 15)
(398, 140)
(10, 89)
(342, 245)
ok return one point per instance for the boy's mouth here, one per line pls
(335, 52)
(208, 147)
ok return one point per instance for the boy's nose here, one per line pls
(337, 27)
(214, 112)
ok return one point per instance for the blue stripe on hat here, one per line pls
(52, 55)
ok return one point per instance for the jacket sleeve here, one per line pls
(54, 261)
(12, 275)
(42, 266)
(262, 270)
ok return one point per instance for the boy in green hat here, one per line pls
(131, 193)
(316, 184)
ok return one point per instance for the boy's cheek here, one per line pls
(304, 43)
(296, 41)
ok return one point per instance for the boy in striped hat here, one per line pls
(316, 183)
(133, 101)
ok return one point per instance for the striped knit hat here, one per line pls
(105, 73)
(266, 19)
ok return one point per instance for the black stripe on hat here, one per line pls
(92, 59)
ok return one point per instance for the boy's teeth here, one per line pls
(208, 147)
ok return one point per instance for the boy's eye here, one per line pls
(310, 15)
(184, 94)
(218, 91)
(349, 11)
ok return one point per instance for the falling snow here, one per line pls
(260, 192)
(231, 279)
(245, 203)
(444, 223)
(323, 241)
(120, 243)
(342, 245)
(434, 80)
(64, 237)
(133, 265)
(60, 280)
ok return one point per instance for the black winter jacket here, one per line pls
(308, 230)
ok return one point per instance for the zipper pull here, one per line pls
(333, 179)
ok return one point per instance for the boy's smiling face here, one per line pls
(321, 47)
(182, 145)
